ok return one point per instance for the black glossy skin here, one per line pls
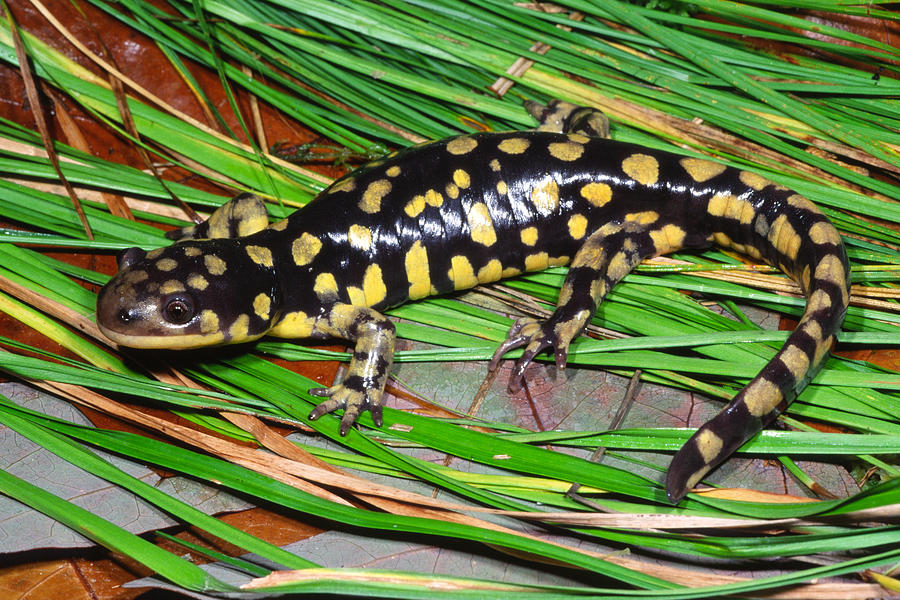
(444, 230)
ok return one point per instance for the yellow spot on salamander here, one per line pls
(691, 481)
(239, 329)
(800, 202)
(723, 240)
(451, 190)
(668, 238)
(461, 273)
(481, 228)
(510, 272)
(577, 226)
(415, 206)
(718, 204)
(813, 329)
(752, 180)
(136, 276)
(545, 196)
(824, 233)
(784, 238)
(537, 262)
(644, 217)
(305, 248)
(494, 164)
(643, 168)
(513, 145)
(822, 349)
(730, 206)
(492, 271)
(761, 225)
(590, 255)
(393, 171)
(501, 188)
(529, 236)
(154, 254)
(417, 272)
(279, 225)
(567, 151)
(260, 255)
(166, 264)
(618, 267)
(294, 325)
(209, 321)
(597, 194)
(805, 278)
(701, 170)
(251, 223)
(818, 300)
(197, 281)
(796, 361)
(357, 295)
(214, 264)
(461, 178)
(347, 184)
(761, 397)
(171, 286)
(709, 445)
(360, 237)
(753, 252)
(567, 330)
(192, 251)
(461, 145)
(262, 306)
(371, 199)
(325, 286)
(565, 294)
(433, 198)
(373, 285)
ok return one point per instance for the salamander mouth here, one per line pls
(157, 342)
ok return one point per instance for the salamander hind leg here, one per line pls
(593, 272)
(363, 387)
(564, 117)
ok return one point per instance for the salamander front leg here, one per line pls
(244, 214)
(592, 274)
(363, 387)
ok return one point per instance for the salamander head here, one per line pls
(190, 294)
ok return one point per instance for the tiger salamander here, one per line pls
(473, 209)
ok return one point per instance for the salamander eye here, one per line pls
(179, 310)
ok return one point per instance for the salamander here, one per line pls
(473, 209)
